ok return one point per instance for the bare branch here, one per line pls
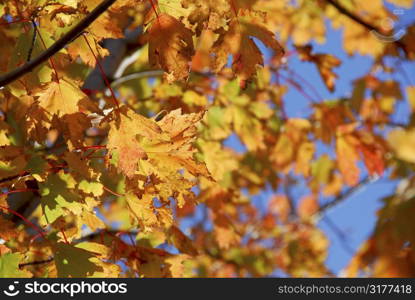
(342, 197)
(138, 75)
(340, 235)
(97, 234)
(37, 262)
(57, 46)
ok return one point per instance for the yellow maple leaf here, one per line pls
(123, 142)
(60, 98)
(347, 157)
(177, 151)
(80, 48)
(324, 62)
(304, 155)
(143, 210)
(403, 143)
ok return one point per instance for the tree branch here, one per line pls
(342, 197)
(137, 75)
(340, 235)
(362, 22)
(97, 234)
(57, 46)
(37, 262)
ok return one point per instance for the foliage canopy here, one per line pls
(99, 176)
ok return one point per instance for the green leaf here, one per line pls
(9, 266)
(74, 262)
(94, 188)
(57, 196)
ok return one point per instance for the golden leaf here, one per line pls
(170, 46)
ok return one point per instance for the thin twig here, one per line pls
(10, 178)
(27, 221)
(104, 76)
(96, 234)
(138, 75)
(37, 262)
(340, 235)
(342, 197)
(57, 46)
(32, 44)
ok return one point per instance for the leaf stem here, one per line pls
(38, 229)
(52, 64)
(112, 192)
(101, 70)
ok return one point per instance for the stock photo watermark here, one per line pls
(387, 25)
(70, 289)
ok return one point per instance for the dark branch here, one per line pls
(57, 46)
(108, 232)
(362, 22)
(342, 197)
(340, 235)
(13, 177)
(37, 262)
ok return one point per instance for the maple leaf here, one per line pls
(79, 48)
(373, 150)
(74, 262)
(293, 143)
(357, 38)
(308, 206)
(211, 14)
(176, 265)
(73, 127)
(178, 150)
(321, 171)
(58, 196)
(143, 210)
(410, 90)
(237, 40)
(7, 226)
(4, 132)
(181, 241)
(61, 97)
(304, 155)
(123, 142)
(224, 232)
(280, 206)
(109, 24)
(170, 46)
(12, 161)
(37, 122)
(347, 157)
(9, 266)
(247, 127)
(334, 187)
(403, 142)
(78, 165)
(219, 160)
(324, 62)
(91, 220)
(161, 148)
